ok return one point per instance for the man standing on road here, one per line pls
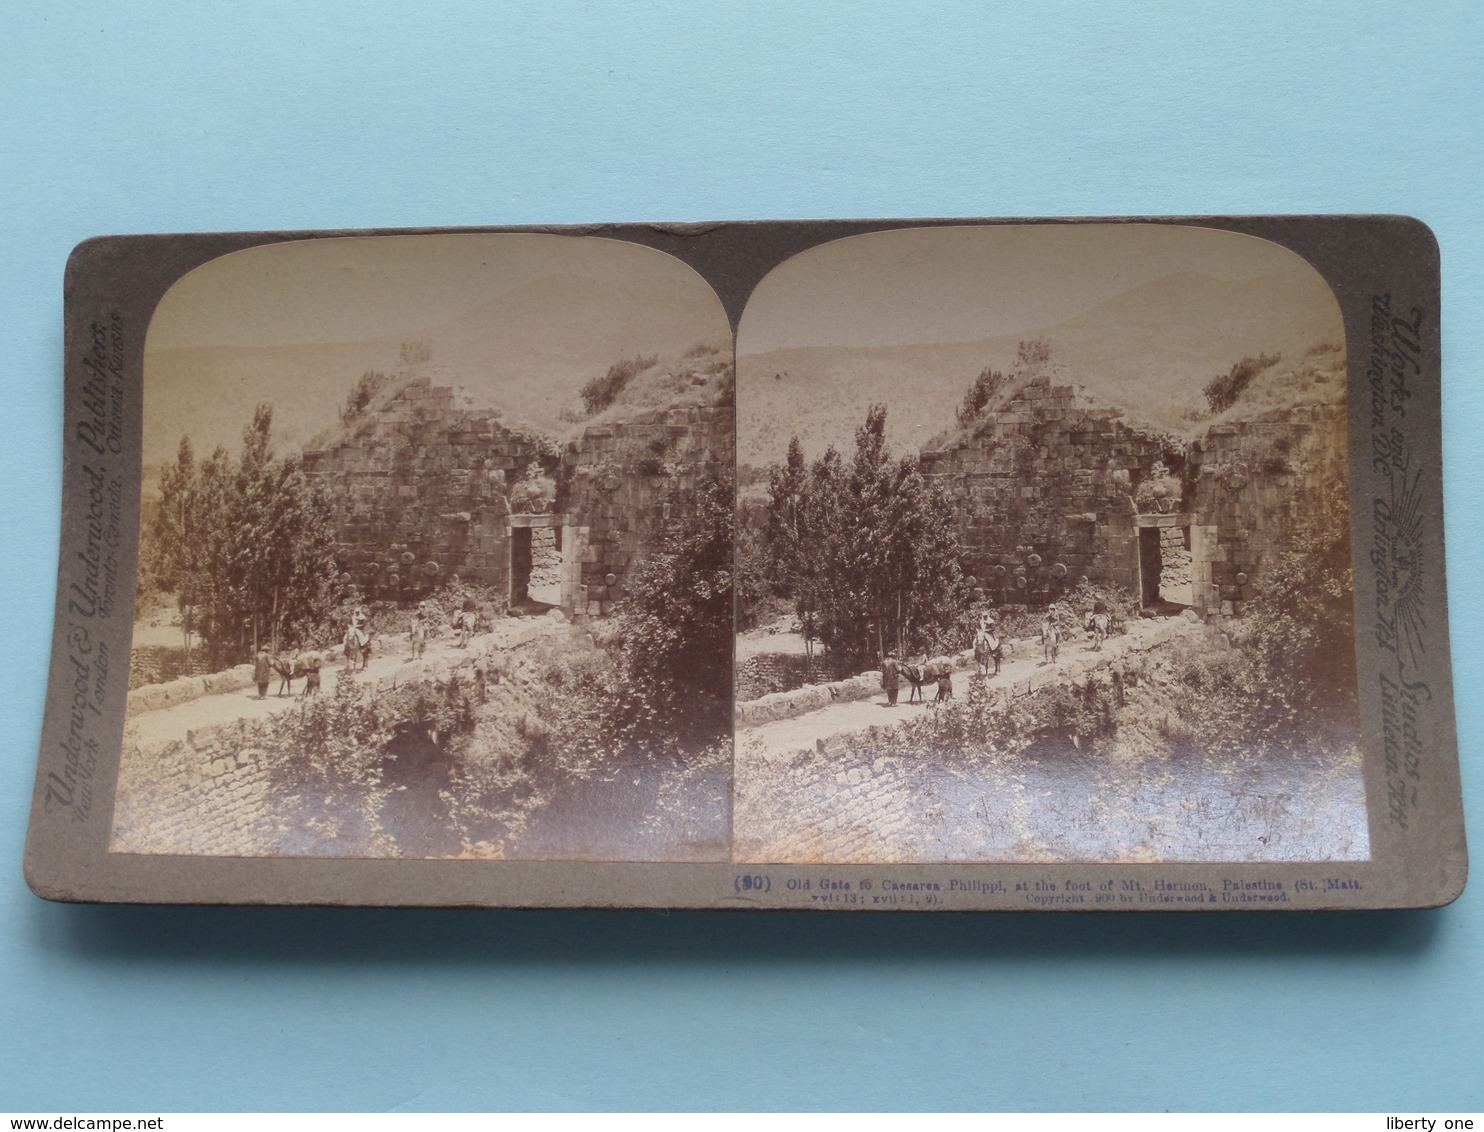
(890, 678)
(262, 670)
(418, 635)
(1051, 634)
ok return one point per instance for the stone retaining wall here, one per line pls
(206, 794)
(154, 697)
(811, 697)
(1070, 669)
(211, 794)
(159, 664)
(769, 672)
(507, 634)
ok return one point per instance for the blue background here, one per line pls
(156, 117)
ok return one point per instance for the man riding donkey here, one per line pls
(357, 642)
(1096, 623)
(987, 646)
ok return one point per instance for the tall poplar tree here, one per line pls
(247, 545)
(869, 551)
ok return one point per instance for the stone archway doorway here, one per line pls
(535, 561)
(1166, 565)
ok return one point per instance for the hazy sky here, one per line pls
(359, 287)
(961, 284)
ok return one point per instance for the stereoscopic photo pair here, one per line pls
(849, 564)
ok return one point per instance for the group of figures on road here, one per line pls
(989, 650)
(426, 624)
(357, 645)
(289, 668)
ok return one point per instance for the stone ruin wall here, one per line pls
(1044, 494)
(1254, 481)
(157, 664)
(420, 493)
(621, 483)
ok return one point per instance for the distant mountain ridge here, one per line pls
(527, 352)
(1148, 350)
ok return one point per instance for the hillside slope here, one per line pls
(1149, 350)
(527, 352)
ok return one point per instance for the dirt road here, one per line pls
(799, 797)
(392, 661)
(1023, 669)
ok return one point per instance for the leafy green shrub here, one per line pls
(326, 760)
(980, 393)
(441, 709)
(533, 493)
(868, 551)
(980, 724)
(1034, 352)
(415, 352)
(757, 597)
(656, 681)
(1289, 681)
(362, 394)
(601, 392)
(247, 545)
(1160, 491)
(676, 623)
(336, 740)
(726, 385)
(1301, 621)
(1223, 390)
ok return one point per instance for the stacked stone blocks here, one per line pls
(1045, 489)
(623, 482)
(420, 493)
(207, 794)
(1255, 481)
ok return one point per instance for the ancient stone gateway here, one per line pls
(1166, 560)
(536, 568)
(420, 491)
(1050, 488)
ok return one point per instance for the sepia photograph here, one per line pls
(1043, 552)
(887, 565)
(435, 556)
